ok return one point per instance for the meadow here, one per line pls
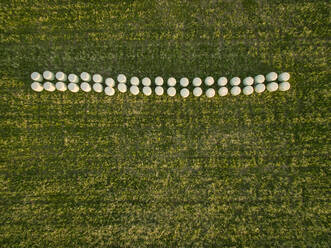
(90, 170)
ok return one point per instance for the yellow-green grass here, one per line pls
(89, 170)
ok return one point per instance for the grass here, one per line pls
(87, 170)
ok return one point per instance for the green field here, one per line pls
(90, 170)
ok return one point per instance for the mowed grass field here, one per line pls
(90, 170)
